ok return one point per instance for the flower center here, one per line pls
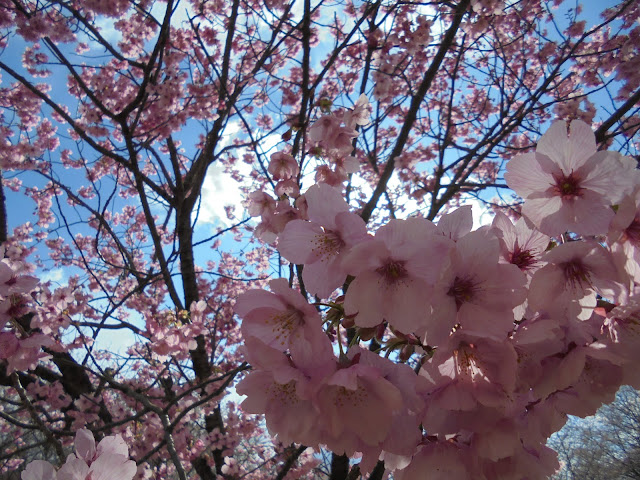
(347, 397)
(285, 323)
(465, 360)
(393, 271)
(523, 259)
(568, 186)
(327, 243)
(462, 291)
(576, 274)
(284, 393)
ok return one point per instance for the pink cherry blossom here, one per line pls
(404, 433)
(466, 375)
(596, 383)
(110, 460)
(360, 114)
(569, 186)
(475, 290)
(283, 319)
(23, 353)
(261, 203)
(322, 243)
(283, 166)
(574, 274)
(287, 187)
(395, 273)
(274, 221)
(12, 282)
(328, 132)
(520, 244)
(323, 128)
(348, 396)
(283, 392)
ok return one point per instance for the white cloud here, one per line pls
(107, 29)
(219, 190)
(55, 276)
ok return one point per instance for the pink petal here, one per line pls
(404, 435)
(261, 355)
(458, 399)
(403, 236)
(479, 320)
(257, 299)
(506, 229)
(324, 203)
(591, 214)
(365, 256)
(443, 461)
(370, 432)
(352, 228)
(39, 470)
(430, 258)
(406, 305)
(530, 239)
(498, 443)
(569, 152)
(9, 344)
(301, 242)
(85, 445)
(363, 298)
(272, 326)
(477, 252)
(74, 469)
(322, 278)
(113, 444)
(255, 386)
(525, 174)
(548, 215)
(605, 173)
(565, 373)
(112, 467)
(458, 223)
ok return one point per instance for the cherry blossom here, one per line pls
(520, 245)
(322, 243)
(394, 274)
(573, 275)
(351, 301)
(283, 166)
(283, 319)
(110, 459)
(360, 114)
(283, 393)
(475, 291)
(569, 186)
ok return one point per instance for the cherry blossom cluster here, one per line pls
(509, 328)
(392, 54)
(106, 461)
(20, 347)
(172, 334)
(332, 138)
(111, 126)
